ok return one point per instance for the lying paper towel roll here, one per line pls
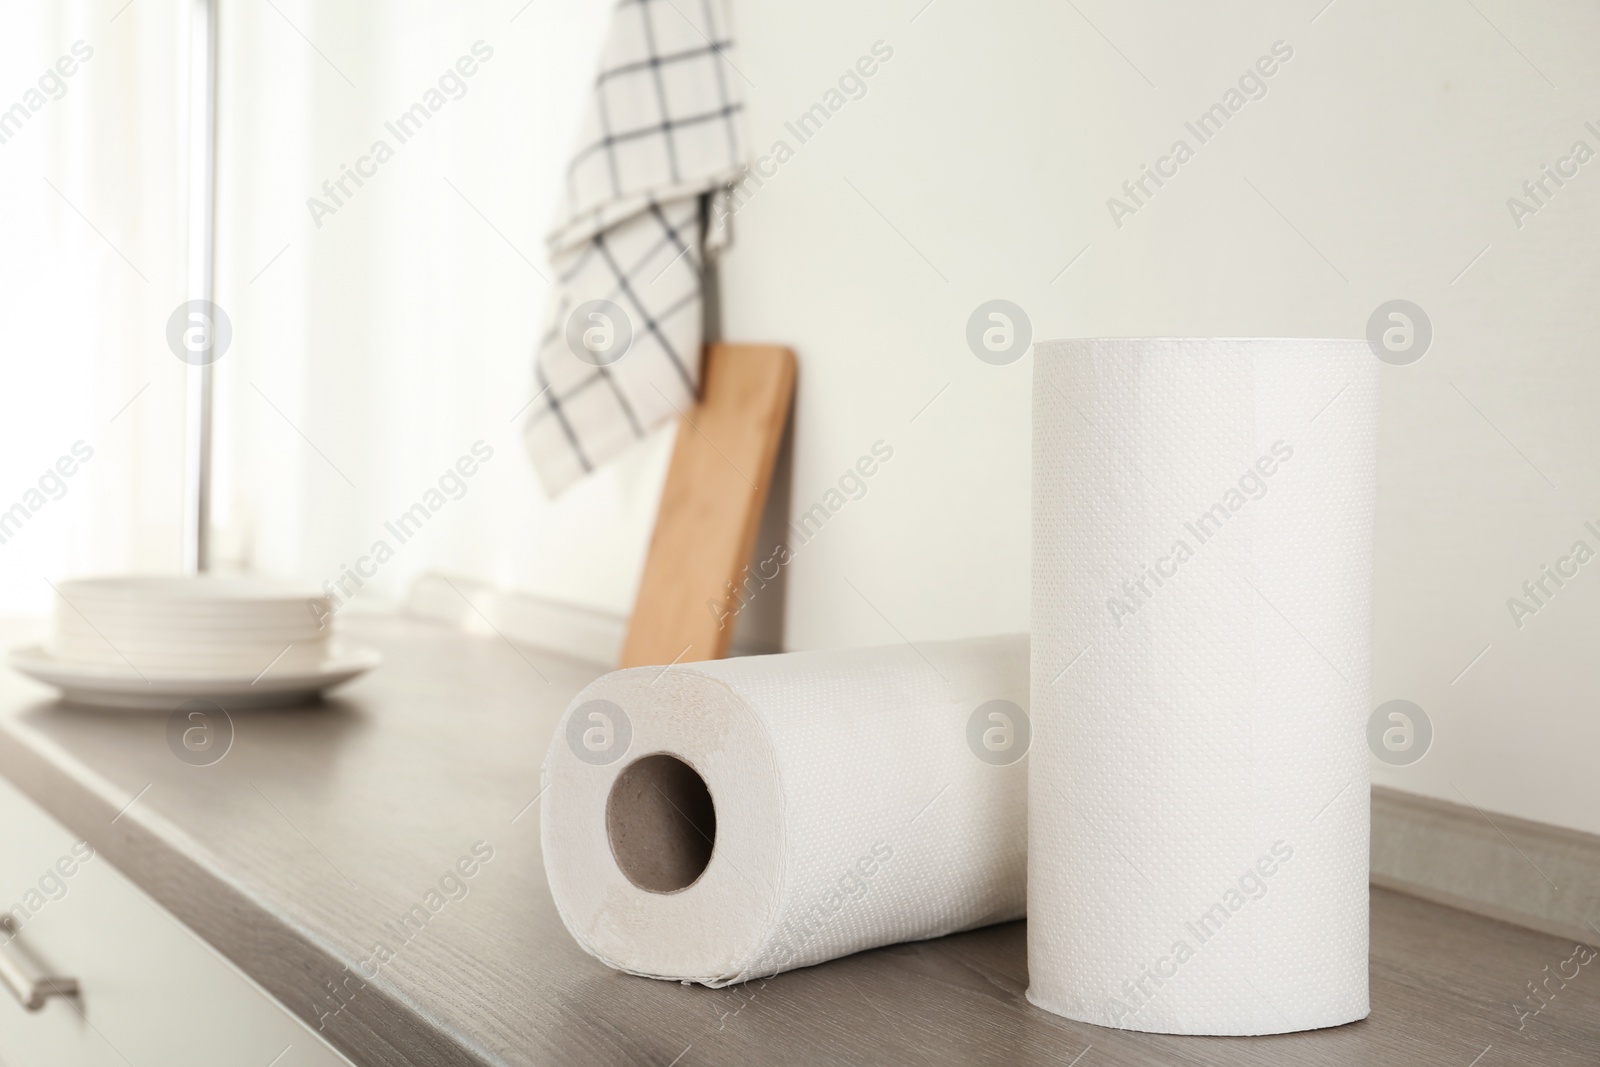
(1202, 590)
(723, 821)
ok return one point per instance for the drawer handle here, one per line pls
(30, 984)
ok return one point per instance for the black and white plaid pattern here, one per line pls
(662, 132)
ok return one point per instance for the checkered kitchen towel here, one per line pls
(663, 133)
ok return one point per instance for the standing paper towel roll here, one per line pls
(1202, 591)
(723, 821)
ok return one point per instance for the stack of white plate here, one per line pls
(140, 641)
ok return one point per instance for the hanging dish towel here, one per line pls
(620, 353)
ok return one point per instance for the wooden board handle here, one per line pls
(711, 507)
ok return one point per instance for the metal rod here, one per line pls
(202, 278)
(31, 985)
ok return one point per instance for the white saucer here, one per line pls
(121, 687)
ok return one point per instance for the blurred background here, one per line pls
(375, 344)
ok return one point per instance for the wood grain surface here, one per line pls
(711, 507)
(321, 827)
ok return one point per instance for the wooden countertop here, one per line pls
(303, 848)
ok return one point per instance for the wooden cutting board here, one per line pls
(711, 506)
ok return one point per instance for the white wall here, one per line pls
(1381, 157)
(377, 348)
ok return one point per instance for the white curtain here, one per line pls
(382, 332)
(90, 268)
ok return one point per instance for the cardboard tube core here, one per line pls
(661, 822)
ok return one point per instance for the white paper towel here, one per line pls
(1202, 590)
(850, 809)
